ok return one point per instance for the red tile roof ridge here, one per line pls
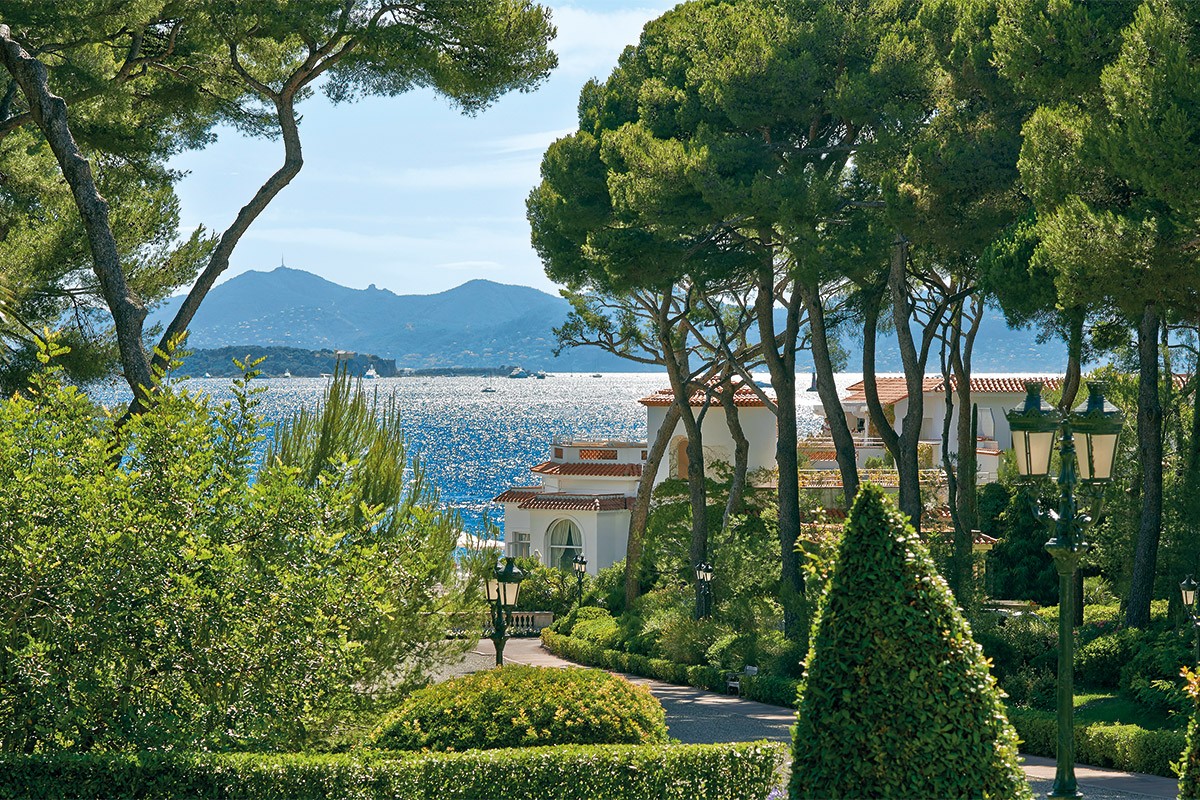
(590, 469)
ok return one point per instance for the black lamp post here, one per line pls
(1034, 427)
(502, 588)
(704, 576)
(1188, 590)
(579, 564)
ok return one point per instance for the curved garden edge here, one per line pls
(1128, 748)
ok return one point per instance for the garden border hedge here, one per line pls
(1129, 748)
(742, 771)
(763, 688)
(1125, 747)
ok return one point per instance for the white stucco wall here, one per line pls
(758, 425)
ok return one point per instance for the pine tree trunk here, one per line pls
(741, 453)
(782, 365)
(1150, 455)
(640, 514)
(839, 430)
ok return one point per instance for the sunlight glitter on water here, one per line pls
(475, 444)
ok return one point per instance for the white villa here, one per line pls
(582, 505)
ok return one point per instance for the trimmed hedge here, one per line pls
(581, 652)
(1125, 747)
(744, 771)
(763, 688)
(520, 706)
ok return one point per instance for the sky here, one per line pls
(406, 192)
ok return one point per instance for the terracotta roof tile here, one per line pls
(893, 389)
(564, 501)
(743, 397)
(590, 469)
(517, 494)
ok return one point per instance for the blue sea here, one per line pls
(473, 444)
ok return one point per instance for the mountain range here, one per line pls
(478, 324)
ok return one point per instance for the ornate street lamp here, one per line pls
(704, 576)
(579, 564)
(1034, 427)
(1188, 590)
(502, 588)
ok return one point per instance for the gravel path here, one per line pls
(695, 715)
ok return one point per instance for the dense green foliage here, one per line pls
(1188, 767)
(520, 706)
(567, 772)
(162, 587)
(897, 700)
(1125, 747)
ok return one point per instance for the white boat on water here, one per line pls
(287, 373)
(207, 375)
(370, 374)
(518, 373)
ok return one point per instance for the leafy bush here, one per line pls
(1014, 644)
(567, 772)
(1124, 747)
(600, 630)
(771, 689)
(897, 700)
(1188, 767)
(519, 706)
(1098, 663)
(194, 595)
(1151, 677)
(1031, 687)
(681, 638)
(547, 588)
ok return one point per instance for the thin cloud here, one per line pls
(589, 42)
(527, 142)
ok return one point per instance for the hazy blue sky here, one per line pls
(406, 192)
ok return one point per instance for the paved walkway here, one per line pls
(699, 716)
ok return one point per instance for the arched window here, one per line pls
(566, 542)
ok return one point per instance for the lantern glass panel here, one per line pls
(1097, 454)
(509, 593)
(1033, 450)
(492, 587)
(1188, 590)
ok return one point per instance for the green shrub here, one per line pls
(1031, 687)
(519, 706)
(196, 594)
(546, 588)
(1124, 747)
(771, 689)
(599, 629)
(897, 700)
(568, 772)
(1098, 663)
(1151, 676)
(1188, 766)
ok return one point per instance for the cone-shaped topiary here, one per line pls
(897, 700)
